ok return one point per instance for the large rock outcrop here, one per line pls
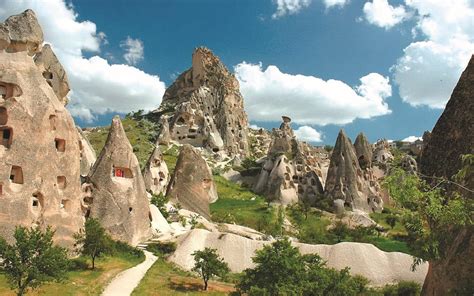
(191, 184)
(205, 107)
(363, 151)
(39, 150)
(291, 171)
(452, 136)
(119, 199)
(346, 180)
(156, 173)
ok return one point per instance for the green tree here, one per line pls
(208, 264)
(94, 241)
(32, 260)
(391, 220)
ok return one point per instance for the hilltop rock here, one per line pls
(292, 171)
(206, 108)
(191, 184)
(39, 151)
(164, 138)
(53, 72)
(346, 180)
(382, 154)
(87, 153)
(120, 201)
(452, 136)
(156, 173)
(363, 151)
(21, 32)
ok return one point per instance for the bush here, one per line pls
(162, 248)
(403, 288)
(160, 200)
(125, 250)
(78, 264)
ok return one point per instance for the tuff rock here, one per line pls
(87, 153)
(363, 151)
(156, 173)
(21, 32)
(119, 199)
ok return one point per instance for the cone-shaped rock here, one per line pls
(363, 151)
(347, 181)
(88, 156)
(191, 184)
(452, 136)
(164, 138)
(39, 151)
(206, 107)
(120, 201)
(156, 173)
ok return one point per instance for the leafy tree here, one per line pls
(33, 259)
(94, 241)
(280, 220)
(340, 230)
(281, 270)
(391, 220)
(208, 264)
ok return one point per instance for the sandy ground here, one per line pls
(126, 281)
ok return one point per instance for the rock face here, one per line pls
(119, 199)
(53, 72)
(453, 136)
(363, 151)
(382, 154)
(156, 173)
(346, 180)
(39, 150)
(191, 184)
(409, 164)
(164, 138)
(87, 153)
(291, 171)
(206, 108)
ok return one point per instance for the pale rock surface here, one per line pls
(39, 150)
(381, 153)
(363, 151)
(347, 181)
(364, 259)
(206, 108)
(120, 201)
(159, 224)
(191, 184)
(87, 153)
(156, 173)
(164, 138)
(409, 164)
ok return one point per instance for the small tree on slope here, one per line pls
(208, 264)
(94, 242)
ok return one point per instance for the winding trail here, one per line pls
(125, 282)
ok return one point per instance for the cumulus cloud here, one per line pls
(307, 134)
(285, 7)
(411, 139)
(133, 50)
(429, 69)
(382, 14)
(309, 99)
(97, 86)
(335, 3)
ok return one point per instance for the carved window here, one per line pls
(122, 172)
(6, 136)
(3, 116)
(60, 145)
(16, 175)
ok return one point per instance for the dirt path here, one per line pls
(126, 281)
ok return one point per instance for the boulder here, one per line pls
(206, 108)
(192, 185)
(120, 201)
(156, 173)
(347, 181)
(39, 152)
(452, 137)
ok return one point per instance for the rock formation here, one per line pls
(452, 136)
(191, 184)
(363, 151)
(39, 150)
(206, 108)
(291, 171)
(87, 153)
(259, 142)
(156, 173)
(164, 138)
(120, 201)
(409, 164)
(346, 180)
(382, 154)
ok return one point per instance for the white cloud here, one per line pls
(97, 86)
(285, 7)
(307, 134)
(382, 14)
(309, 99)
(411, 139)
(334, 3)
(133, 50)
(254, 126)
(429, 69)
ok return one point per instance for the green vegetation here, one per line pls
(208, 264)
(281, 270)
(94, 242)
(161, 249)
(160, 200)
(33, 260)
(141, 133)
(166, 279)
(170, 155)
(403, 288)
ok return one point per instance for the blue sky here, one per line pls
(305, 42)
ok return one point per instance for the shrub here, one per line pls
(162, 248)
(160, 200)
(403, 288)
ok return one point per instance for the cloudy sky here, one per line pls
(384, 67)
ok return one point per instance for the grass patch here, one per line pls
(170, 155)
(165, 278)
(82, 281)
